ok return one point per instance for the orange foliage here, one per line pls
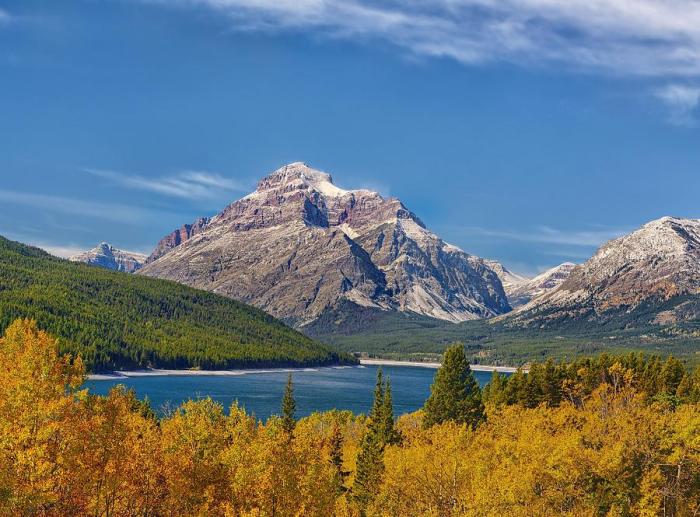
(65, 452)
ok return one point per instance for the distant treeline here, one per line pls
(552, 383)
(119, 321)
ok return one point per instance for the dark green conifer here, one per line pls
(455, 394)
(289, 407)
(389, 434)
(495, 391)
(335, 454)
(370, 458)
(378, 401)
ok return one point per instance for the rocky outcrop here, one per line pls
(107, 256)
(177, 237)
(298, 245)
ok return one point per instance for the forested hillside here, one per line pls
(117, 320)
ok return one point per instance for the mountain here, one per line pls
(107, 256)
(299, 245)
(119, 321)
(509, 279)
(520, 294)
(638, 293)
(651, 267)
(521, 289)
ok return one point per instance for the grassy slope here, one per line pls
(118, 320)
(400, 336)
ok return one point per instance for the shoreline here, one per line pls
(419, 364)
(162, 372)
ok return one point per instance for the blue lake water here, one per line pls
(320, 389)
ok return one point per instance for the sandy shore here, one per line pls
(154, 372)
(475, 367)
(110, 376)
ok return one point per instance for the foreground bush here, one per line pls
(612, 451)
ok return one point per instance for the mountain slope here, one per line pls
(116, 320)
(299, 245)
(651, 266)
(107, 256)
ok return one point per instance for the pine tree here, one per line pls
(455, 394)
(378, 402)
(370, 469)
(389, 434)
(335, 454)
(672, 373)
(550, 384)
(370, 458)
(289, 407)
(495, 391)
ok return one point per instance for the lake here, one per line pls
(315, 389)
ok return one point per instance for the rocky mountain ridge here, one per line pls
(299, 244)
(656, 263)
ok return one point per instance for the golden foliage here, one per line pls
(612, 451)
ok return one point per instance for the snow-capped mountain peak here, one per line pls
(107, 256)
(299, 244)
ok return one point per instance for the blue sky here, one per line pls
(528, 131)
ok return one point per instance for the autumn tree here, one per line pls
(455, 394)
(40, 423)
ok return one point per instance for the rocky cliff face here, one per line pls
(299, 244)
(656, 263)
(107, 256)
(177, 237)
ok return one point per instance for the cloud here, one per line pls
(58, 250)
(56, 204)
(5, 17)
(548, 235)
(187, 184)
(682, 102)
(639, 37)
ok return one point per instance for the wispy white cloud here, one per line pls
(5, 17)
(57, 204)
(548, 235)
(58, 250)
(682, 102)
(63, 251)
(186, 184)
(640, 37)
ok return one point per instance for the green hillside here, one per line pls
(118, 320)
